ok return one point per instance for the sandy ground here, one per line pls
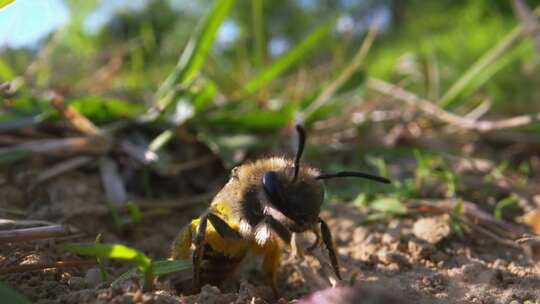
(418, 259)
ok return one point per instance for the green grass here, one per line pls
(194, 55)
(120, 252)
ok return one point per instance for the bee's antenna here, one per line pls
(300, 150)
(354, 174)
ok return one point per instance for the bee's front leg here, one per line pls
(327, 239)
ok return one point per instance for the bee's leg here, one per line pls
(224, 230)
(327, 239)
(271, 263)
(198, 251)
(283, 233)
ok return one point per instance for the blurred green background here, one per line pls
(139, 42)
(236, 75)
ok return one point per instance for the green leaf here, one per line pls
(166, 267)
(9, 295)
(160, 268)
(511, 200)
(194, 54)
(6, 73)
(288, 60)
(390, 205)
(102, 110)
(5, 2)
(251, 121)
(112, 251)
(121, 252)
(205, 95)
(374, 217)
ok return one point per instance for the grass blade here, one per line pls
(482, 63)
(112, 251)
(160, 268)
(166, 267)
(121, 252)
(194, 54)
(388, 205)
(286, 61)
(5, 2)
(346, 74)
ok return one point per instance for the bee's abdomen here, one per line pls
(216, 266)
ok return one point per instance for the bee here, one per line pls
(256, 212)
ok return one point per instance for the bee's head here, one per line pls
(295, 198)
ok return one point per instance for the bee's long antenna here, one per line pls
(301, 143)
(354, 174)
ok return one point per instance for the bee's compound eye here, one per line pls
(272, 187)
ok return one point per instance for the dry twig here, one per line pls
(434, 111)
(474, 216)
(529, 239)
(59, 264)
(531, 26)
(63, 146)
(36, 233)
(72, 117)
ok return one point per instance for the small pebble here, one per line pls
(360, 234)
(76, 283)
(92, 277)
(432, 229)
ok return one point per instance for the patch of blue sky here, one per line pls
(24, 22)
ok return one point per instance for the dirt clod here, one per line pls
(395, 255)
(432, 229)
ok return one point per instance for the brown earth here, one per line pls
(420, 259)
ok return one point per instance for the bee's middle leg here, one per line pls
(198, 251)
(222, 228)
